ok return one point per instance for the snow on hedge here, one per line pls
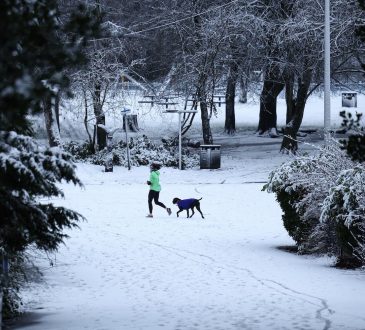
(323, 201)
(142, 151)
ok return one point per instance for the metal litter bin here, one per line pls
(210, 156)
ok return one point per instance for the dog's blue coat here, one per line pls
(186, 203)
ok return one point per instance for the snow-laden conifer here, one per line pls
(29, 174)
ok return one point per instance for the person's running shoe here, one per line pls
(168, 211)
(149, 216)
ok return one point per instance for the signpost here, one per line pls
(168, 103)
(180, 112)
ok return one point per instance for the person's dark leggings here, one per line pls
(153, 196)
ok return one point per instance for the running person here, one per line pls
(155, 188)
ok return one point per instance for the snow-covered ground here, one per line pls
(121, 270)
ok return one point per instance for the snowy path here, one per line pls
(124, 271)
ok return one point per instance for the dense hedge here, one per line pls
(323, 202)
(298, 229)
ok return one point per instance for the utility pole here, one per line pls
(327, 70)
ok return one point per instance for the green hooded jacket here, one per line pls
(155, 181)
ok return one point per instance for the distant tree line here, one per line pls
(200, 46)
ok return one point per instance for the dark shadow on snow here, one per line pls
(288, 248)
(24, 321)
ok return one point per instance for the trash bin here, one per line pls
(210, 156)
(132, 122)
(108, 164)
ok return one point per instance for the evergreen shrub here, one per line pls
(345, 205)
(297, 229)
(302, 186)
(355, 142)
(142, 152)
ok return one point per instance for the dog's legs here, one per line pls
(177, 213)
(187, 211)
(198, 208)
(192, 210)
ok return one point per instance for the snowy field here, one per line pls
(123, 271)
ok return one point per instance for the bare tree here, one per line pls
(50, 105)
(304, 57)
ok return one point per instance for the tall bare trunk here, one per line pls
(57, 110)
(289, 96)
(273, 85)
(91, 142)
(298, 104)
(243, 89)
(230, 122)
(202, 98)
(53, 133)
(201, 93)
(99, 116)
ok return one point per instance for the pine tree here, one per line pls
(28, 172)
(37, 50)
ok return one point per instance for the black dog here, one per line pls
(187, 204)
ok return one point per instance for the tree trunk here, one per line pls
(205, 117)
(201, 91)
(289, 97)
(290, 142)
(1, 306)
(100, 117)
(273, 85)
(243, 90)
(53, 135)
(91, 141)
(207, 133)
(57, 110)
(230, 123)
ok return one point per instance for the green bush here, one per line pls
(302, 187)
(345, 207)
(297, 229)
(355, 143)
(79, 151)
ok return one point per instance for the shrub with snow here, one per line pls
(355, 142)
(345, 207)
(142, 151)
(301, 186)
